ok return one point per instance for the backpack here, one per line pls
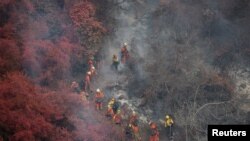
(135, 122)
(115, 106)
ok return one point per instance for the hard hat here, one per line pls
(89, 73)
(98, 90)
(125, 44)
(167, 116)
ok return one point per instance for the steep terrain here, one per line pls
(188, 58)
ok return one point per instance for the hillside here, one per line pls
(187, 58)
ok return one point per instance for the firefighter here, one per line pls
(87, 81)
(117, 118)
(75, 87)
(124, 53)
(99, 99)
(169, 125)
(91, 62)
(133, 120)
(133, 123)
(93, 71)
(154, 136)
(110, 112)
(115, 106)
(136, 133)
(129, 132)
(115, 62)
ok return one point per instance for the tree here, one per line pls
(89, 28)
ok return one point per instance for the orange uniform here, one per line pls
(87, 82)
(93, 71)
(117, 118)
(154, 132)
(90, 63)
(124, 54)
(110, 112)
(133, 119)
(135, 129)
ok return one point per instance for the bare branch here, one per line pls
(196, 92)
(208, 104)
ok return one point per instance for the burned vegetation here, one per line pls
(187, 60)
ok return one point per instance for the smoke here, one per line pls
(178, 45)
(179, 49)
(131, 28)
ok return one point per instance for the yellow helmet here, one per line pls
(167, 116)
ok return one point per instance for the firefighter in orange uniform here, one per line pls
(133, 118)
(93, 71)
(133, 123)
(136, 133)
(90, 63)
(99, 96)
(154, 136)
(117, 117)
(87, 81)
(124, 53)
